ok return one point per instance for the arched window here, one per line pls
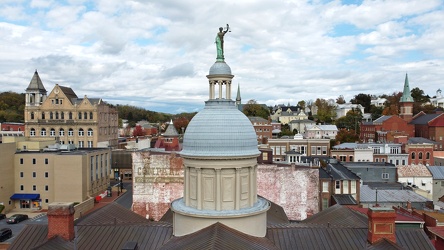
(90, 132)
(85, 115)
(32, 115)
(90, 115)
(81, 133)
(420, 155)
(428, 155)
(51, 116)
(57, 115)
(70, 115)
(62, 115)
(62, 132)
(52, 132)
(413, 155)
(70, 132)
(32, 132)
(43, 132)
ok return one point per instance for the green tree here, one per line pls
(350, 121)
(340, 100)
(376, 112)
(302, 104)
(252, 108)
(325, 111)
(364, 100)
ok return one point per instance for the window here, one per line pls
(313, 150)
(61, 132)
(345, 187)
(46, 200)
(353, 187)
(34, 187)
(52, 132)
(81, 144)
(324, 150)
(420, 155)
(34, 161)
(85, 115)
(22, 188)
(51, 116)
(351, 158)
(413, 155)
(91, 163)
(338, 184)
(34, 174)
(43, 115)
(32, 132)
(325, 186)
(428, 155)
(90, 115)
(21, 160)
(62, 114)
(46, 174)
(324, 203)
(90, 144)
(43, 132)
(385, 175)
(32, 115)
(70, 115)
(46, 188)
(46, 161)
(70, 132)
(80, 115)
(81, 133)
(57, 115)
(90, 132)
(21, 174)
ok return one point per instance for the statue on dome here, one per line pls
(220, 42)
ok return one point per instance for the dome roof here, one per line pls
(220, 68)
(220, 129)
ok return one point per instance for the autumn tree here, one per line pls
(181, 122)
(350, 121)
(138, 131)
(252, 108)
(345, 135)
(340, 100)
(301, 104)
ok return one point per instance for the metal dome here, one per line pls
(220, 68)
(220, 129)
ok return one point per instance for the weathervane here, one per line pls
(220, 42)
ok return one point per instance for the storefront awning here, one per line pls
(25, 196)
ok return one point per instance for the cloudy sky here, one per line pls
(156, 54)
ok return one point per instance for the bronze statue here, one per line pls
(220, 42)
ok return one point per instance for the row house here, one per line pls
(305, 147)
(430, 126)
(337, 183)
(262, 127)
(370, 152)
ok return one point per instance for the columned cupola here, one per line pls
(220, 162)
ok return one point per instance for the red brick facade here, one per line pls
(61, 220)
(12, 126)
(387, 130)
(381, 224)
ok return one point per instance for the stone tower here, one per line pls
(35, 92)
(220, 163)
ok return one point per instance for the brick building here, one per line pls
(430, 126)
(385, 129)
(262, 127)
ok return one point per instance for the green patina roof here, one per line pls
(406, 96)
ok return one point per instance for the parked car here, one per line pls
(16, 218)
(5, 233)
(2, 216)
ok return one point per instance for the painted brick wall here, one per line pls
(295, 189)
(158, 180)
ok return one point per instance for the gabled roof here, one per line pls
(36, 84)
(338, 216)
(70, 94)
(257, 119)
(112, 214)
(218, 236)
(437, 172)
(424, 119)
(385, 244)
(337, 171)
(382, 119)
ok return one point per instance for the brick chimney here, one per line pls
(381, 224)
(61, 220)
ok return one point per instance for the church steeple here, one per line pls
(406, 102)
(238, 96)
(35, 92)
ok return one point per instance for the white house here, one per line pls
(321, 132)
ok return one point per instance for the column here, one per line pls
(199, 188)
(252, 186)
(218, 190)
(238, 189)
(220, 89)
(228, 95)
(186, 191)
(210, 92)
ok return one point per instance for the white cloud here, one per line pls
(156, 54)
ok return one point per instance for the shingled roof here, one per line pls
(413, 171)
